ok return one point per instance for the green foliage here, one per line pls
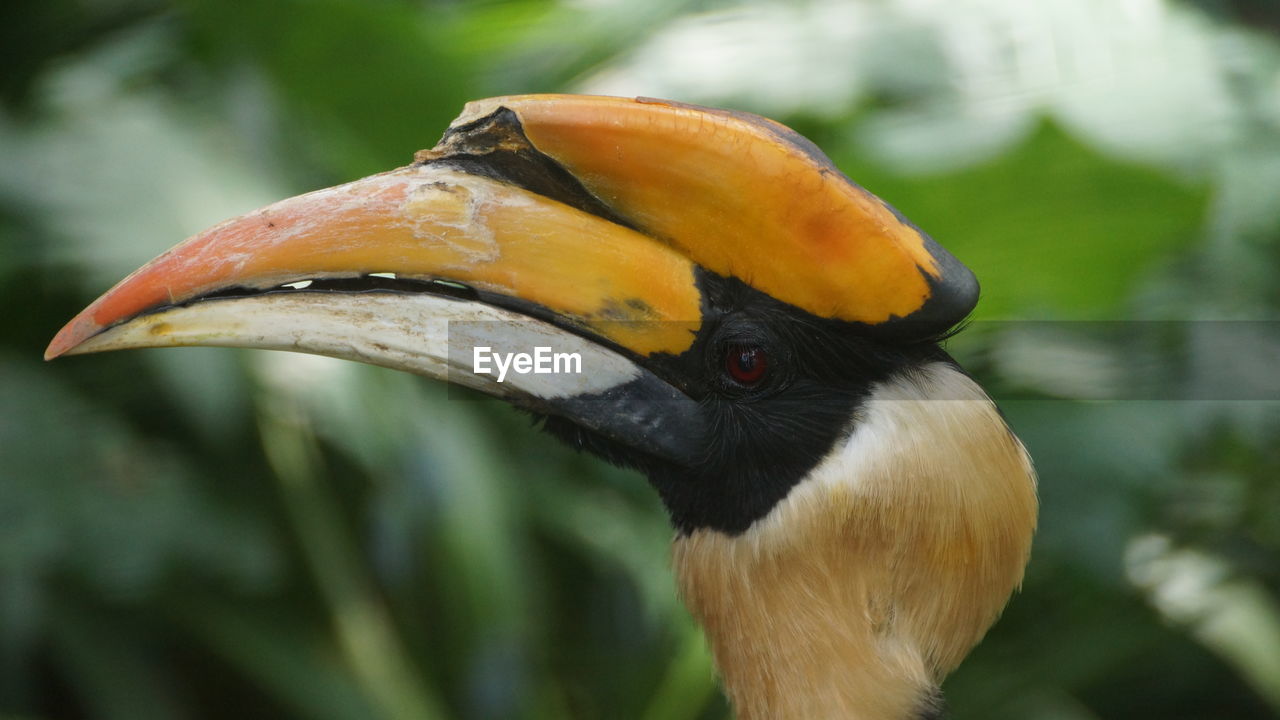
(204, 533)
(1081, 228)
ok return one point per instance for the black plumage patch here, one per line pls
(763, 439)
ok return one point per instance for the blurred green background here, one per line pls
(203, 533)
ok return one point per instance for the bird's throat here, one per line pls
(870, 582)
(800, 635)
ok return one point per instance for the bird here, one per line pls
(759, 336)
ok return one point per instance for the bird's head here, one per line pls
(749, 325)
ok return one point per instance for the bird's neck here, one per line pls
(801, 635)
(880, 571)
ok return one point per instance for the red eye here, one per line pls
(746, 364)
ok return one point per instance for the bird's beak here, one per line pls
(573, 223)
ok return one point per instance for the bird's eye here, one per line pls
(746, 364)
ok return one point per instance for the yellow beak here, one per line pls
(595, 211)
(421, 223)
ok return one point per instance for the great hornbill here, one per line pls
(758, 335)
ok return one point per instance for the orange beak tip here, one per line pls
(71, 336)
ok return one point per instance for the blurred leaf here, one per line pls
(374, 652)
(364, 84)
(689, 682)
(37, 35)
(116, 678)
(290, 664)
(111, 507)
(1052, 229)
(1233, 617)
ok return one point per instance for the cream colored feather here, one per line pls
(881, 570)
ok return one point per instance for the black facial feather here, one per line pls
(763, 439)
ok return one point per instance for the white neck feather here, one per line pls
(879, 572)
